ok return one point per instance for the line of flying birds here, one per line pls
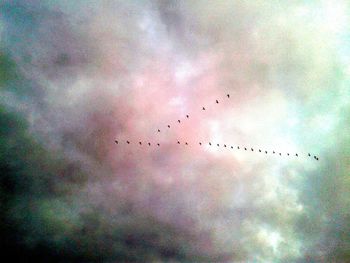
(218, 145)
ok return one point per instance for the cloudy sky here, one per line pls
(77, 75)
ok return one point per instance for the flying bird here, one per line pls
(127, 142)
(203, 108)
(116, 142)
(158, 130)
(259, 150)
(217, 101)
(210, 143)
(228, 95)
(186, 143)
(178, 121)
(140, 143)
(168, 126)
(178, 142)
(187, 116)
(200, 143)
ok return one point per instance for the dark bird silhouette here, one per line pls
(228, 95)
(238, 147)
(116, 142)
(149, 144)
(265, 152)
(178, 121)
(224, 145)
(186, 143)
(317, 158)
(296, 154)
(288, 154)
(280, 153)
(178, 142)
(203, 108)
(259, 150)
(158, 130)
(217, 101)
(252, 149)
(200, 143)
(218, 145)
(127, 142)
(168, 126)
(245, 148)
(158, 144)
(187, 116)
(273, 152)
(231, 147)
(210, 143)
(309, 154)
(140, 143)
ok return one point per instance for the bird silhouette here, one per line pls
(217, 101)
(288, 154)
(224, 145)
(140, 143)
(200, 143)
(158, 130)
(178, 121)
(116, 142)
(158, 144)
(317, 158)
(296, 154)
(273, 152)
(265, 152)
(203, 108)
(149, 144)
(238, 147)
(252, 149)
(231, 147)
(228, 95)
(218, 145)
(178, 142)
(168, 126)
(245, 148)
(186, 143)
(187, 116)
(309, 154)
(280, 154)
(210, 143)
(127, 142)
(259, 150)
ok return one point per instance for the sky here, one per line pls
(77, 75)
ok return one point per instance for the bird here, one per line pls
(252, 149)
(238, 147)
(178, 142)
(116, 142)
(186, 143)
(288, 154)
(317, 158)
(245, 148)
(127, 142)
(158, 144)
(228, 95)
(203, 108)
(296, 154)
(224, 145)
(218, 145)
(231, 147)
(168, 126)
(158, 130)
(273, 152)
(140, 143)
(259, 150)
(265, 152)
(178, 121)
(149, 144)
(309, 154)
(210, 143)
(217, 101)
(200, 143)
(280, 154)
(187, 116)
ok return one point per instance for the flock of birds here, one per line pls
(217, 144)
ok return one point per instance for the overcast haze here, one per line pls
(77, 75)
